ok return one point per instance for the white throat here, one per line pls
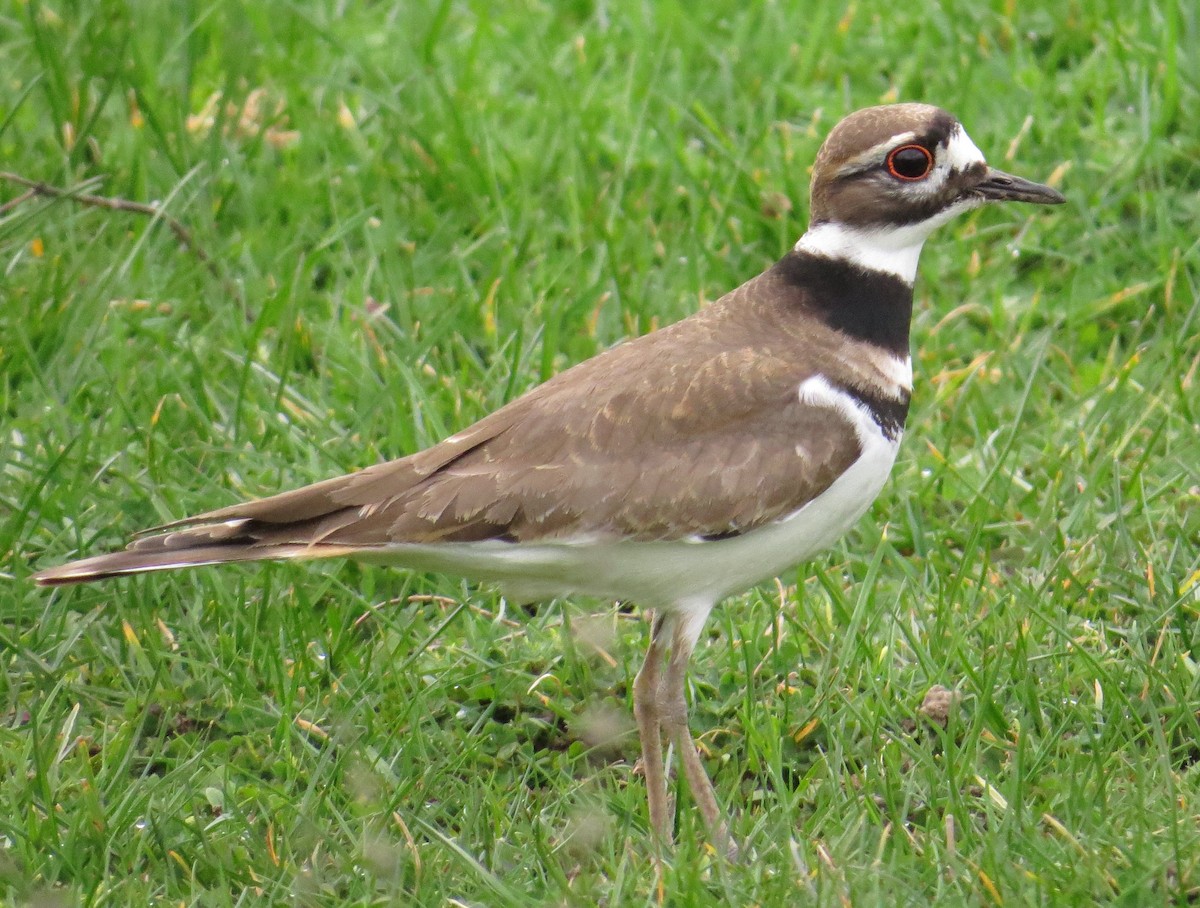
(893, 250)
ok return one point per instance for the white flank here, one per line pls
(892, 373)
(818, 392)
(897, 375)
(686, 576)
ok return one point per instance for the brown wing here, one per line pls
(634, 464)
(676, 449)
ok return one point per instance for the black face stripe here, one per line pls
(970, 176)
(940, 130)
(892, 207)
(900, 212)
(874, 306)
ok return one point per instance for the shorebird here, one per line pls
(680, 467)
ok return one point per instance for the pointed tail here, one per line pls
(131, 561)
(220, 542)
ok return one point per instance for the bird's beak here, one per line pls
(998, 186)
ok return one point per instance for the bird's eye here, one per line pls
(909, 162)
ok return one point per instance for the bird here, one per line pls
(678, 468)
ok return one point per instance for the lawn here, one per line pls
(399, 216)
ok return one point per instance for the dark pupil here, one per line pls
(910, 162)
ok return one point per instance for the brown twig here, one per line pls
(112, 203)
(19, 200)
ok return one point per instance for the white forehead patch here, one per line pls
(961, 152)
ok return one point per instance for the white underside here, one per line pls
(688, 575)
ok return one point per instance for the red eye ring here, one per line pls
(910, 162)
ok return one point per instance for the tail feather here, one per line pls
(159, 558)
(205, 540)
(347, 515)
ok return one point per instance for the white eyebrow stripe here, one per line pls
(876, 152)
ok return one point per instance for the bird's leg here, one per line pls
(674, 715)
(647, 710)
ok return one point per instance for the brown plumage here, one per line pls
(634, 444)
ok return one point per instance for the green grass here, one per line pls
(478, 196)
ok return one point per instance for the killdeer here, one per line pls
(675, 469)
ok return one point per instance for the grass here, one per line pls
(419, 211)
